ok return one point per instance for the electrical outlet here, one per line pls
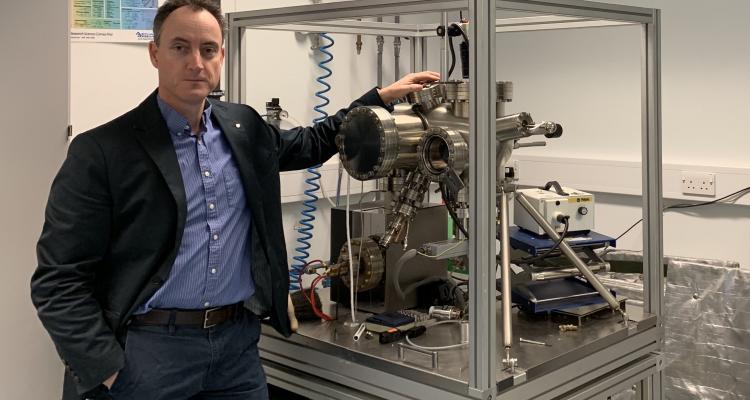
(700, 183)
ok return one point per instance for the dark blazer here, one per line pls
(115, 217)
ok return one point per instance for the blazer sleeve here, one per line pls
(71, 249)
(304, 147)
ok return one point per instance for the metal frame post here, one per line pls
(418, 53)
(652, 184)
(482, 325)
(234, 63)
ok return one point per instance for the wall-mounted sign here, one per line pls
(123, 21)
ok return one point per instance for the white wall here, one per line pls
(34, 114)
(593, 89)
(705, 95)
(109, 79)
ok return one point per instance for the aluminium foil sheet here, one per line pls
(707, 326)
(707, 332)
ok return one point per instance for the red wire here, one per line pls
(307, 296)
(310, 294)
(307, 264)
(314, 305)
(318, 312)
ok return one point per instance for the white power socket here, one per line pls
(700, 183)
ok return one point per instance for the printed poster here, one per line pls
(113, 21)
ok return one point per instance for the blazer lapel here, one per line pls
(153, 134)
(241, 143)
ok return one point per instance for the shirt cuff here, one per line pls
(372, 98)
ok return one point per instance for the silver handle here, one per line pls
(432, 353)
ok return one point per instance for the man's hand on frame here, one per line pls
(409, 83)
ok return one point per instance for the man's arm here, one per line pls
(70, 250)
(304, 147)
(408, 84)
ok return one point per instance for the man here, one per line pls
(162, 222)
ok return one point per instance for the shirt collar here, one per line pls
(176, 122)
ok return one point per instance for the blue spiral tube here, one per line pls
(308, 205)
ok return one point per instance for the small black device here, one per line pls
(394, 334)
(390, 318)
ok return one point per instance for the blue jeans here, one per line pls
(176, 363)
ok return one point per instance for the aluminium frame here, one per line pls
(577, 13)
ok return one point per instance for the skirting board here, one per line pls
(624, 177)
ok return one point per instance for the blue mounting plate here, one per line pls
(534, 244)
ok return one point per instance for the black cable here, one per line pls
(453, 56)
(549, 251)
(688, 205)
(451, 211)
(738, 193)
(629, 229)
(456, 221)
(464, 51)
(460, 29)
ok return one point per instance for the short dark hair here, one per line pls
(212, 6)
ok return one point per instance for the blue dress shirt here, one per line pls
(212, 267)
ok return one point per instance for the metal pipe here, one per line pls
(562, 273)
(444, 49)
(505, 269)
(380, 42)
(570, 254)
(397, 52)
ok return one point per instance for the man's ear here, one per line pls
(152, 50)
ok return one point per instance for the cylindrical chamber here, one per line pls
(511, 126)
(368, 263)
(441, 151)
(461, 109)
(372, 142)
(461, 91)
(458, 94)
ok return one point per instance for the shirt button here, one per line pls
(207, 173)
(206, 304)
(213, 270)
(215, 237)
(211, 206)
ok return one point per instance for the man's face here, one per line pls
(189, 56)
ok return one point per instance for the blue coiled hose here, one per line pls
(308, 205)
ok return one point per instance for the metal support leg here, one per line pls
(505, 271)
(653, 288)
(482, 197)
